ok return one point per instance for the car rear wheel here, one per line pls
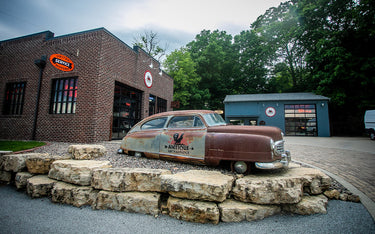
(136, 154)
(240, 167)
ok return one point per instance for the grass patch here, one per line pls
(19, 145)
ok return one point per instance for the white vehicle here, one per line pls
(370, 123)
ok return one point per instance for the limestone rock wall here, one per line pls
(194, 196)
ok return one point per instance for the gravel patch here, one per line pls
(123, 160)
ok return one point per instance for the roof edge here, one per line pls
(278, 97)
(48, 34)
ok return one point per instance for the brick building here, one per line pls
(82, 87)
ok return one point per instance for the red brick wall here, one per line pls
(100, 59)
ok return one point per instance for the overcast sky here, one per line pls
(176, 22)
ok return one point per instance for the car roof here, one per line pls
(182, 112)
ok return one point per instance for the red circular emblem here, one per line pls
(270, 111)
(148, 79)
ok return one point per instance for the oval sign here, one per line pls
(148, 79)
(61, 62)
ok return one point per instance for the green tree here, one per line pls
(186, 81)
(339, 36)
(213, 54)
(281, 33)
(281, 80)
(252, 60)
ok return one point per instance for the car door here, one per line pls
(184, 139)
(147, 140)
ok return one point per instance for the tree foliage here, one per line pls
(213, 54)
(186, 81)
(339, 38)
(320, 46)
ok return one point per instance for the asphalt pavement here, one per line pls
(21, 214)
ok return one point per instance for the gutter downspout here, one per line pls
(41, 63)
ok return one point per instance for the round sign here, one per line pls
(270, 112)
(148, 79)
(61, 62)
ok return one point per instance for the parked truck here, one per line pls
(370, 123)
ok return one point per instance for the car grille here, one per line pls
(279, 147)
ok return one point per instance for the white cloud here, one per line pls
(177, 22)
(191, 16)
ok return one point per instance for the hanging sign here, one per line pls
(61, 62)
(270, 112)
(148, 79)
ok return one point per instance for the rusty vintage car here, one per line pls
(203, 137)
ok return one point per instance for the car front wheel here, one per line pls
(240, 167)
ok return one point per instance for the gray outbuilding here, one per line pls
(296, 114)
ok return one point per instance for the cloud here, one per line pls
(192, 16)
(176, 22)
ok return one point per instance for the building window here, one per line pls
(151, 104)
(64, 96)
(162, 105)
(300, 120)
(156, 105)
(14, 98)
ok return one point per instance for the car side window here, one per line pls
(154, 123)
(185, 122)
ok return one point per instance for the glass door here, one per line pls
(300, 120)
(126, 110)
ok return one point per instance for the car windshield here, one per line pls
(214, 119)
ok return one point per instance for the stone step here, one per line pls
(82, 152)
(76, 171)
(17, 162)
(73, 194)
(136, 202)
(21, 179)
(236, 211)
(5, 176)
(193, 211)
(41, 164)
(128, 179)
(285, 187)
(308, 205)
(39, 186)
(198, 185)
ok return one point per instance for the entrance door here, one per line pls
(300, 120)
(126, 110)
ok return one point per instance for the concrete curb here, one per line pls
(365, 200)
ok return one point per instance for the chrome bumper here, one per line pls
(283, 163)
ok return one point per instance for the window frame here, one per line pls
(61, 91)
(152, 120)
(194, 119)
(14, 98)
